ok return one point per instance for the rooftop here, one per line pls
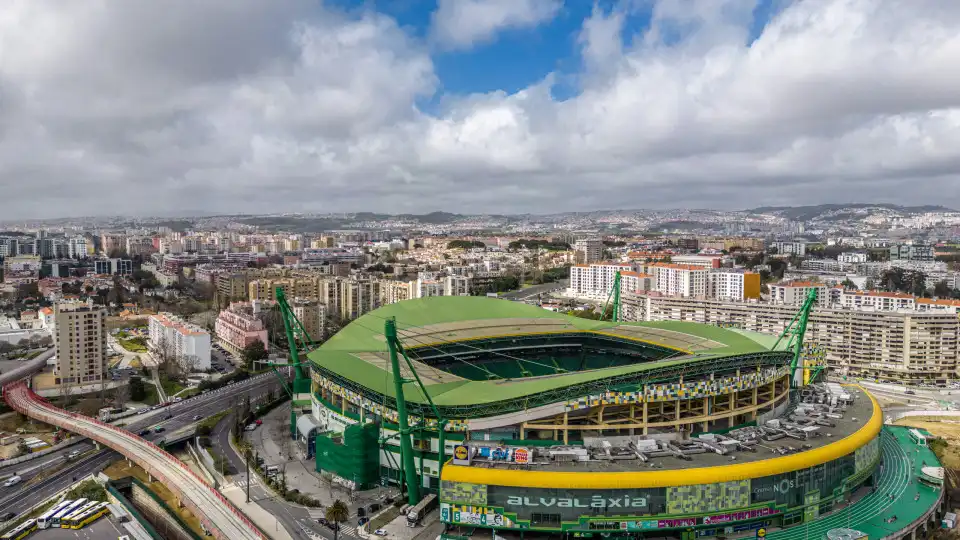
(774, 452)
(358, 352)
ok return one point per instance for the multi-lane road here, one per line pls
(23, 496)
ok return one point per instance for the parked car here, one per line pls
(380, 532)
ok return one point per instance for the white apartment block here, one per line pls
(885, 345)
(429, 287)
(184, 342)
(794, 293)
(456, 286)
(81, 339)
(594, 281)
(875, 300)
(706, 261)
(852, 257)
(733, 285)
(790, 248)
(680, 279)
(77, 247)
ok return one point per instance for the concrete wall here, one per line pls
(163, 522)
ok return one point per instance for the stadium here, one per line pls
(547, 423)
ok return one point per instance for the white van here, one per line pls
(12, 481)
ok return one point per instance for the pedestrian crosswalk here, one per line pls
(242, 484)
(310, 526)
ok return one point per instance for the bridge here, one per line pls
(213, 510)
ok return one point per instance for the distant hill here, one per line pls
(842, 211)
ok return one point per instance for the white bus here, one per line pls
(65, 520)
(66, 511)
(43, 522)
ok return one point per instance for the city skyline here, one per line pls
(475, 107)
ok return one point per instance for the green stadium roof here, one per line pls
(348, 354)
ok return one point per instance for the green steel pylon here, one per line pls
(793, 334)
(406, 446)
(294, 330)
(615, 296)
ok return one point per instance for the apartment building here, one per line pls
(790, 248)
(312, 315)
(239, 325)
(80, 336)
(706, 261)
(397, 291)
(233, 286)
(292, 287)
(680, 279)
(793, 293)
(733, 285)
(852, 257)
(875, 300)
(358, 296)
(175, 339)
(122, 267)
(588, 250)
(912, 252)
(886, 345)
(594, 280)
(21, 269)
(636, 282)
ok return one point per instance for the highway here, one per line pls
(213, 510)
(23, 496)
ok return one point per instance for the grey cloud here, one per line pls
(254, 106)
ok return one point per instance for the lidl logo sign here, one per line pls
(461, 455)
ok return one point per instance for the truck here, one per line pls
(415, 514)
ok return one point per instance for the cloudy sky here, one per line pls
(140, 106)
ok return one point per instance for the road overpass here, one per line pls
(216, 513)
(27, 368)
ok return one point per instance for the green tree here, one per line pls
(337, 513)
(942, 290)
(137, 390)
(254, 353)
(848, 284)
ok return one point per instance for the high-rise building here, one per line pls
(594, 280)
(729, 284)
(312, 316)
(77, 247)
(81, 341)
(680, 279)
(588, 250)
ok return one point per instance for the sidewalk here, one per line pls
(272, 441)
(263, 519)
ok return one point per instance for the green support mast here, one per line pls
(294, 330)
(793, 334)
(406, 446)
(615, 296)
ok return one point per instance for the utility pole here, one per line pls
(249, 480)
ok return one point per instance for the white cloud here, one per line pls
(460, 24)
(233, 105)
